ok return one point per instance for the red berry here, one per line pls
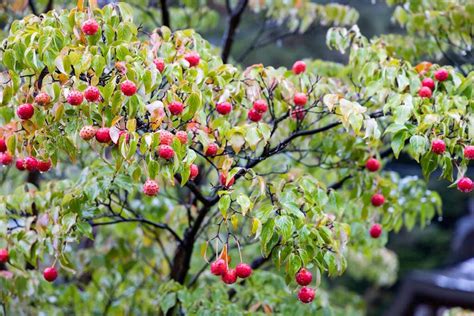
(166, 152)
(243, 270)
(128, 88)
(102, 135)
(465, 185)
(92, 94)
(429, 83)
(121, 134)
(193, 172)
(300, 99)
(377, 199)
(42, 98)
(31, 163)
(3, 145)
(20, 164)
(224, 108)
(441, 74)
(254, 115)
(375, 230)
(151, 188)
(182, 136)
(230, 276)
(260, 106)
(211, 150)
(299, 67)
(6, 158)
(25, 111)
(193, 58)
(219, 267)
(87, 132)
(159, 64)
(3, 255)
(372, 164)
(90, 27)
(166, 138)
(75, 98)
(425, 92)
(438, 146)
(468, 152)
(44, 165)
(303, 277)
(298, 112)
(224, 182)
(50, 274)
(176, 108)
(306, 295)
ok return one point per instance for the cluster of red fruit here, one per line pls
(377, 199)
(229, 276)
(305, 294)
(50, 273)
(465, 184)
(29, 163)
(299, 99)
(259, 108)
(428, 84)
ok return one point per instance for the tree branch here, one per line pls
(233, 21)
(165, 13)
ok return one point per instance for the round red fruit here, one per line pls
(193, 172)
(260, 106)
(166, 152)
(75, 98)
(306, 295)
(219, 267)
(90, 27)
(298, 113)
(211, 150)
(193, 58)
(20, 164)
(50, 274)
(92, 94)
(303, 277)
(465, 185)
(159, 64)
(128, 88)
(42, 99)
(87, 132)
(230, 276)
(44, 165)
(224, 182)
(438, 146)
(176, 108)
(429, 83)
(375, 230)
(25, 111)
(243, 270)
(166, 138)
(254, 115)
(441, 74)
(182, 136)
(102, 135)
(425, 92)
(300, 99)
(299, 67)
(151, 188)
(469, 152)
(377, 199)
(3, 255)
(3, 145)
(372, 164)
(6, 158)
(224, 108)
(31, 163)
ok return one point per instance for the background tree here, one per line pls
(283, 156)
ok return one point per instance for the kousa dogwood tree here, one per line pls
(143, 175)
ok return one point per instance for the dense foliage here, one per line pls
(164, 158)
